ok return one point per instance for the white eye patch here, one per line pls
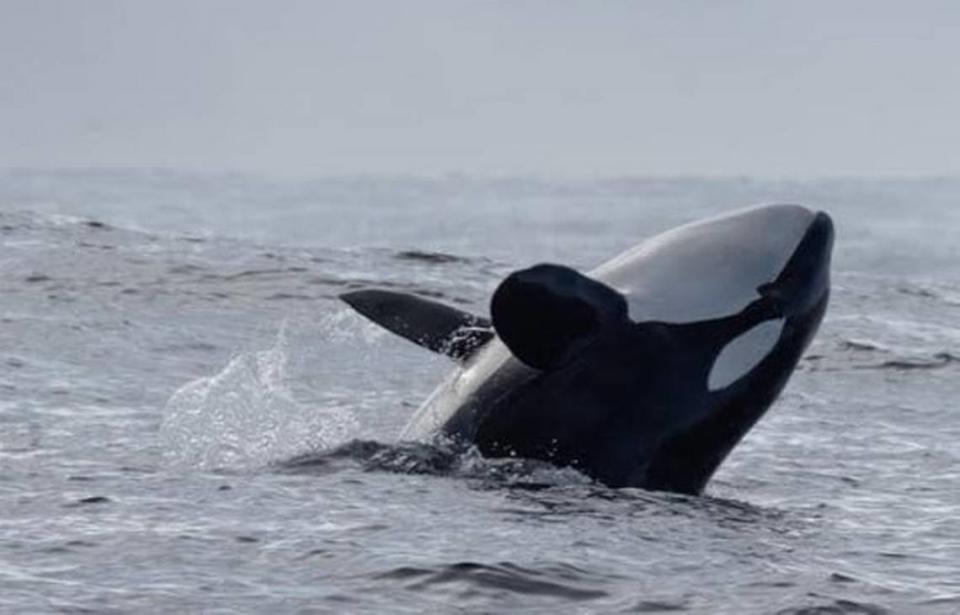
(743, 353)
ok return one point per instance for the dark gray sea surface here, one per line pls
(191, 421)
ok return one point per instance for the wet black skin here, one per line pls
(585, 386)
(631, 408)
(648, 420)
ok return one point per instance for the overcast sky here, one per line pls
(569, 89)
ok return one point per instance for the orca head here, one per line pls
(739, 280)
(767, 271)
(759, 266)
(787, 307)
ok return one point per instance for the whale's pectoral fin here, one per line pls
(548, 313)
(432, 325)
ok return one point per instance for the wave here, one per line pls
(836, 607)
(865, 354)
(436, 258)
(549, 490)
(936, 361)
(468, 580)
(439, 458)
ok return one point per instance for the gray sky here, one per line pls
(578, 89)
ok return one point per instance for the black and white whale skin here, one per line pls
(646, 371)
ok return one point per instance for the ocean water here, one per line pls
(170, 342)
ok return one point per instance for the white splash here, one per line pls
(245, 416)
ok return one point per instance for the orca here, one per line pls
(646, 371)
